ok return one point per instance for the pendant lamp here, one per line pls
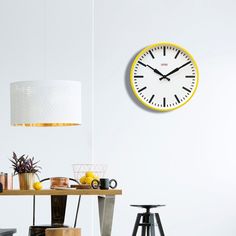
(45, 103)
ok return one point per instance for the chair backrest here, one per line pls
(63, 232)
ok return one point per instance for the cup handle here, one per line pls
(95, 184)
(113, 185)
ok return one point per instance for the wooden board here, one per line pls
(63, 232)
(81, 186)
(60, 192)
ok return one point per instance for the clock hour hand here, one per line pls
(175, 70)
(158, 72)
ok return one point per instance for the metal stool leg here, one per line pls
(159, 224)
(148, 217)
(143, 230)
(136, 225)
(152, 222)
(143, 226)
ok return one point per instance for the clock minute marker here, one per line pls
(177, 54)
(164, 102)
(177, 98)
(150, 52)
(138, 76)
(188, 90)
(150, 100)
(142, 63)
(189, 76)
(140, 90)
(164, 51)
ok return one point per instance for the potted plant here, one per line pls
(26, 168)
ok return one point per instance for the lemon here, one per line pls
(38, 186)
(82, 180)
(89, 180)
(89, 174)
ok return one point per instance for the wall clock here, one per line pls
(164, 76)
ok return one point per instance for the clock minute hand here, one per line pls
(158, 72)
(175, 70)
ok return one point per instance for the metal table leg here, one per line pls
(33, 210)
(106, 209)
(77, 211)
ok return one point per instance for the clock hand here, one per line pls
(158, 72)
(175, 70)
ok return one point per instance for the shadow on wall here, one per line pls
(129, 89)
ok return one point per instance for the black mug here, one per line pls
(104, 183)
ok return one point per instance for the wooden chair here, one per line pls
(58, 209)
(63, 232)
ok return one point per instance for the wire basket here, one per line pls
(80, 170)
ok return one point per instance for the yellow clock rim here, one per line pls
(147, 49)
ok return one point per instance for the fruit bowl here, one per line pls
(91, 170)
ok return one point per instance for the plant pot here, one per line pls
(26, 181)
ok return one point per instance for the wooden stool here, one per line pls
(63, 232)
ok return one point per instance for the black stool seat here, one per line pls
(147, 222)
(148, 206)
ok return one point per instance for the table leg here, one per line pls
(77, 211)
(106, 209)
(58, 209)
(33, 210)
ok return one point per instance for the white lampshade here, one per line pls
(46, 103)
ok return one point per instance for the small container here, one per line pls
(2, 180)
(6, 180)
(59, 182)
(10, 182)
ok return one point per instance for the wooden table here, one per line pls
(106, 202)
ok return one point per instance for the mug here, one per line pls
(104, 183)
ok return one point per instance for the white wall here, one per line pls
(184, 158)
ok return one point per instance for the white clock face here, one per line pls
(164, 76)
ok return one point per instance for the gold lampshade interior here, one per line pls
(46, 124)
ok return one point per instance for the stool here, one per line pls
(147, 222)
(7, 232)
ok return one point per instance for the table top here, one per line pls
(61, 192)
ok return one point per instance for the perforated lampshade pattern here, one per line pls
(45, 103)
